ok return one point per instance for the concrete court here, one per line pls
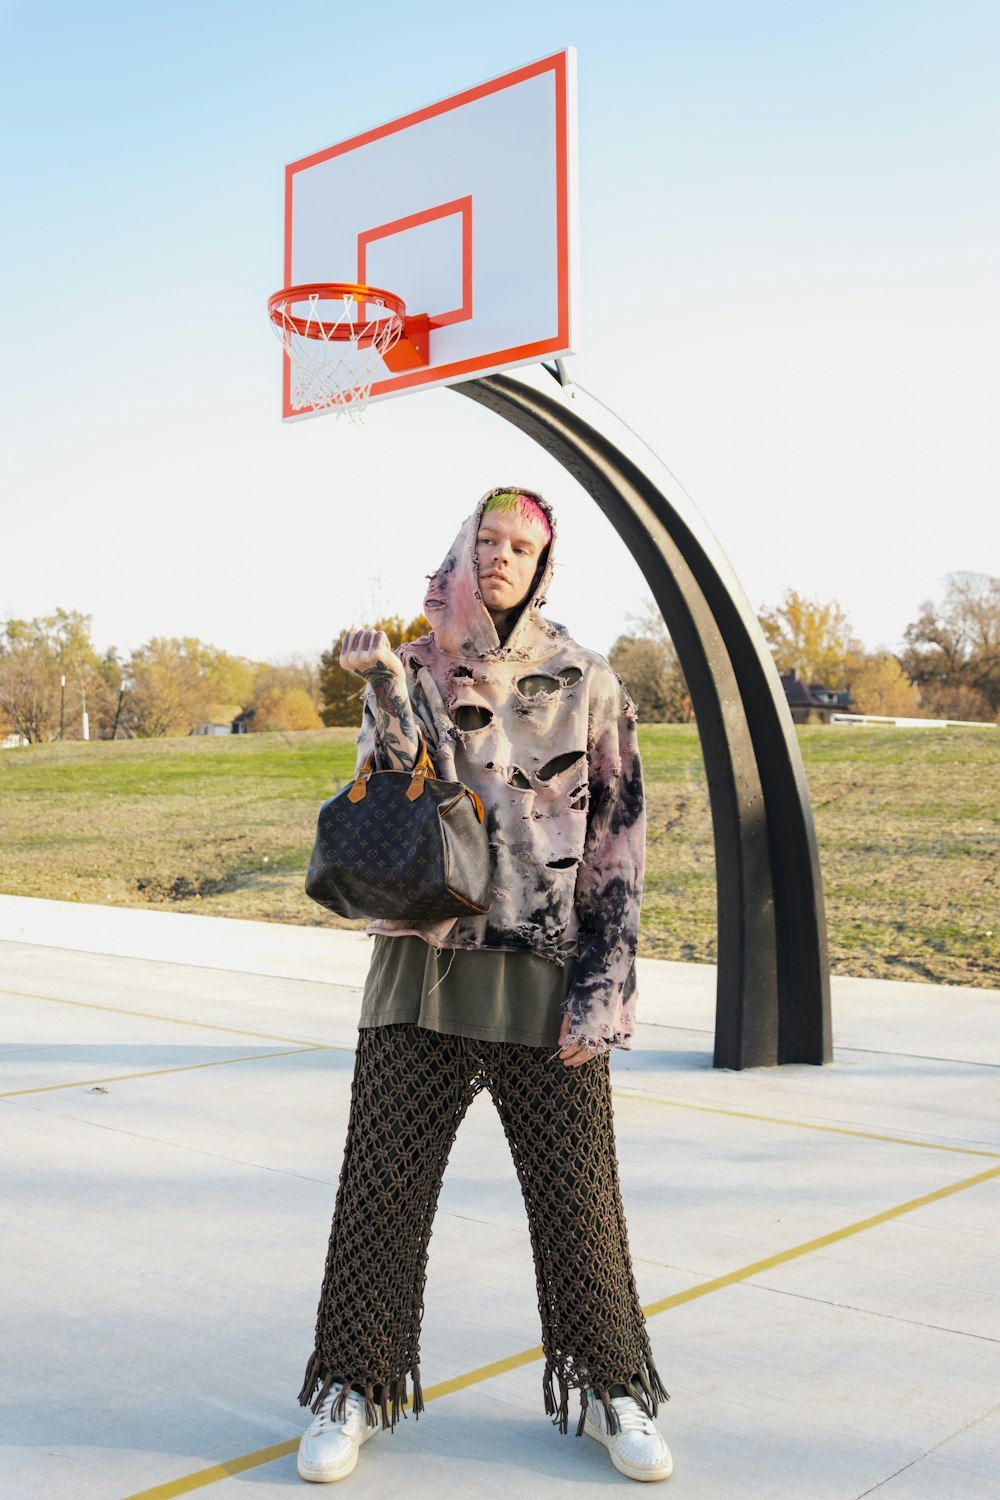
(816, 1246)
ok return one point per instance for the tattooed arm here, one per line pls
(599, 1011)
(369, 655)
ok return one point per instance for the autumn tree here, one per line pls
(29, 692)
(35, 655)
(944, 700)
(284, 708)
(956, 645)
(296, 672)
(286, 696)
(229, 680)
(172, 684)
(812, 639)
(647, 662)
(341, 692)
(880, 686)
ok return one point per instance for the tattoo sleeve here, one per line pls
(395, 727)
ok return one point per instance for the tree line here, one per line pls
(948, 667)
(54, 683)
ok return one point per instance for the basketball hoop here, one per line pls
(338, 337)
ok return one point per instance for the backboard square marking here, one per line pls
(462, 206)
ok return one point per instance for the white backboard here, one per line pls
(466, 209)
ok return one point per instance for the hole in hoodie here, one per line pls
(580, 805)
(530, 687)
(559, 764)
(471, 716)
(517, 778)
(570, 676)
(560, 864)
(462, 672)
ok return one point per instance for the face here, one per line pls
(508, 549)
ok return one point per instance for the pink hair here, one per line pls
(523, 505)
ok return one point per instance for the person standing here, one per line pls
(526, 1001)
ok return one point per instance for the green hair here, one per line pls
(522, 504)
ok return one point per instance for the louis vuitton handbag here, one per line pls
(403, 845)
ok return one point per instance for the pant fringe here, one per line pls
(643, 1385)
(385, 1402)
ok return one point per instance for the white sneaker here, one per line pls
(637, 1448)
(329, 1446)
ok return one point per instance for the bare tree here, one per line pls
(35, 657)
(647, 662)
(29, 691)
(956, 644)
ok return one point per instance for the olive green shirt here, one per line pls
(487, 993)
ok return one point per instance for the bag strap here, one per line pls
(424, 767)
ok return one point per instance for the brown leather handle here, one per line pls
(360, 787)
(424, 767)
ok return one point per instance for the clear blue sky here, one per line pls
(801, 200)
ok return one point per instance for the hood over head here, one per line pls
(453, 604)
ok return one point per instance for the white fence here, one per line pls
(910, 723)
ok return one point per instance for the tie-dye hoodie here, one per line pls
(545, 732)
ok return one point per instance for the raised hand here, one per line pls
(368, 654)
(365, 652)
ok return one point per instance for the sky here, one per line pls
(790, 236)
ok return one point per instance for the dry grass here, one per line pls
(907, 822)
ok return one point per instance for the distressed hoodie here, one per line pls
(544, 731)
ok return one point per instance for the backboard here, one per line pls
(467, 210)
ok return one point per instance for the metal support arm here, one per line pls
(773, 995)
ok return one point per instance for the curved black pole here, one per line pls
(773, 995)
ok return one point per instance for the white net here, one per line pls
(336, 347)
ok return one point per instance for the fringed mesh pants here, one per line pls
(411, 1090)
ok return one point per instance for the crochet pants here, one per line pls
(411, 1090)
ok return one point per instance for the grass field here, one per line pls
(907, 821)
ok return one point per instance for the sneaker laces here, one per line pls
(631, 1417)
(353, 1415)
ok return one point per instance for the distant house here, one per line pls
(12, 741)
(811, 703)
(220, 720)
(243, 722)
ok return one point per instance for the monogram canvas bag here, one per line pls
(403, 845)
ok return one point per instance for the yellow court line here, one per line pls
(261, 1456)
(148, 1015)
(221, 1062)
(745, 1114)
(820, 1243)
(617, 1090)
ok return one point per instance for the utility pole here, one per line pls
(118, 710)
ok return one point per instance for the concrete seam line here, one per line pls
(617, 1090)
(745, 1114)
(136, 958)
(221, 1062)
(261, 1456)
(148, 1015)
